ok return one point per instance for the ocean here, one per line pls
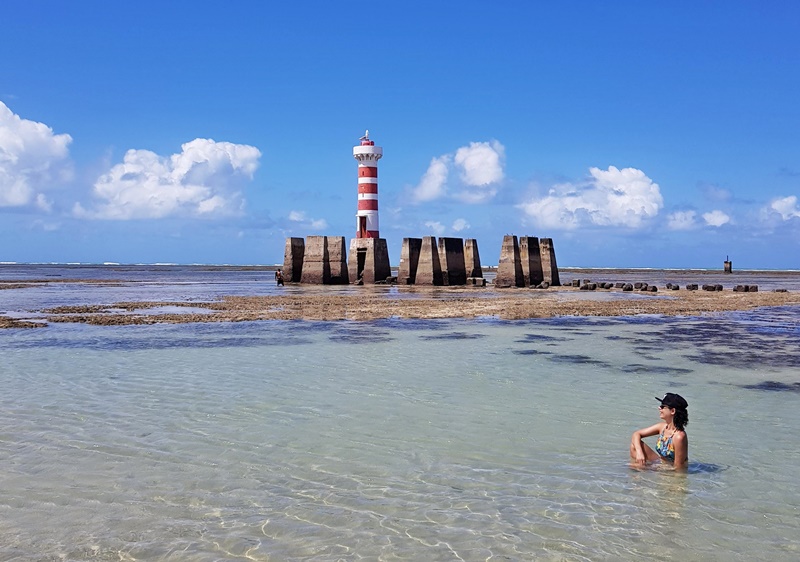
(389, 440)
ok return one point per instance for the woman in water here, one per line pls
(673, 444)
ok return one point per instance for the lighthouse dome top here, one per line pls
(365, 139)
(367, 149)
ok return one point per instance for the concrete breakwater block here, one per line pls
(429, 268)
(293, 259)
(472, 259)
(368, 260)
(531, 260)
(509, 270)
(527, 262)
(549, 265)
(409, 260)
(316, 263)
(451, 260)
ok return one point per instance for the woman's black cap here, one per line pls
(673, 401)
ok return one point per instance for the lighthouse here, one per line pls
(367, 155)
(369, 257)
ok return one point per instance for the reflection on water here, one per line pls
(388, 440)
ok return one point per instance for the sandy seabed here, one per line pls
(372, 303)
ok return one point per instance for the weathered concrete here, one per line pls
(337, 259)
(509, 270)
(293, 259)
(316, 265)
(529, 255)
(472, 259)
(549, 266)
(727, 266)
(451, 259)
(409, 260)
(429, 268)
(369, 260)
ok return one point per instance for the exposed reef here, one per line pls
(413, 302)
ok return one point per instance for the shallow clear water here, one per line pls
(398, 440)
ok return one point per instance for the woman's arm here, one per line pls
(681, 443)
(637, 447)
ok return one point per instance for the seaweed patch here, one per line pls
(774, 386)
(528, 338)
(654, 369)
(578, 360)
(454, 336)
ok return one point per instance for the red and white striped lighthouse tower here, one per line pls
(367, 155)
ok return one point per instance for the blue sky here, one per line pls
(633, 134)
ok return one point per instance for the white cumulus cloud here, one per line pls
(432, 185)
(481, 163)
(460, 224)
(32, 159)
(682, 220)
(613, 197)
(480, 169)
(786, 207)
(203, 180)
(716, 218)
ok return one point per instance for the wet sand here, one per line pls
(371, 303)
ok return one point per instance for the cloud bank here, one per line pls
(203, 180)
(682, 220)
(436, 227)
(301, 218)
(620, 198)
(32, 160)
(480, 168)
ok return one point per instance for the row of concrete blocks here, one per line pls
(423, 261)
(644, 287)
(736, 289)
(321, 260)
(453, 261)
(587, 285)
(527, 262)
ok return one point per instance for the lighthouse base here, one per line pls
(368, 261)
